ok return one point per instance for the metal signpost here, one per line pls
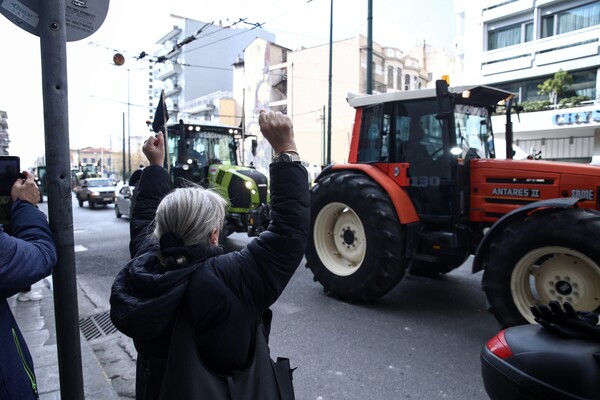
(56, 23)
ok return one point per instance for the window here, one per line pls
(584, 84)
(570, 20)
(370, 142)
(406, 82)
(529, 31)
(509, 35)
(390, 80)
(399, 79)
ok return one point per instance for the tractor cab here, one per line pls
(193, 148)
(432, 134)
(208, 155)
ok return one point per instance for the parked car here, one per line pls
(123, 201)
(95, 191)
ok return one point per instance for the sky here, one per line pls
(99, 91)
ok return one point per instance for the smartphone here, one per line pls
(10, 170)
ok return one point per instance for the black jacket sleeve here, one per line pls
(259, 273)
(153, 186)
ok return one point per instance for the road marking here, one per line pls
(79, 248)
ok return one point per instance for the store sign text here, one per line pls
(584, 117)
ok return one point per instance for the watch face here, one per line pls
(285, 157)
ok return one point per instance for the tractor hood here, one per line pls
(244, 187)
(538, 166)
(498, 186)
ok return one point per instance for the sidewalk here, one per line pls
(36, 321)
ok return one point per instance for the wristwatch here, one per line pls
(286, 157)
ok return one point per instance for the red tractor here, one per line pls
(424, 189)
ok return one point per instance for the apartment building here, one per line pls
(218, 74)
(195, 66)
(297, 83)
(4, 140)
(517, 45)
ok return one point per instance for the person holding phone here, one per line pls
(27, 255)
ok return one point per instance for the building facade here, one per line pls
(212, 73)
(520, 44)
(296, 83)
(195, 67)
(4, 140)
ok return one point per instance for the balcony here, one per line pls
(496, 9)
(166, 71)
(542, 52)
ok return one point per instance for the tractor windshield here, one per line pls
(474, 136)
(202, 148)
(210, 148)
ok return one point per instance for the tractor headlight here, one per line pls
(249, 184)
(253, 192)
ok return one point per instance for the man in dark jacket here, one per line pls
(25, 257)
(226, 294)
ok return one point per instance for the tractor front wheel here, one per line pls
(356, 242)
(550, 255)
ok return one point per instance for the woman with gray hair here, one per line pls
(180, 263)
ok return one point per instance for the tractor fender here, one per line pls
(405, 210)
(517, 214)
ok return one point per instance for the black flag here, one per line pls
(161, 116)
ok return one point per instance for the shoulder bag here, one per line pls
(186, 377)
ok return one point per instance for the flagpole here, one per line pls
(166, 132)
(161, 116)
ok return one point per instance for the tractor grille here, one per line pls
(261, 182)
(239, 196)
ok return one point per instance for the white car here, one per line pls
(123, 201)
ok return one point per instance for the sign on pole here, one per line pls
(82, 17)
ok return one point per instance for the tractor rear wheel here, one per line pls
(550, 255)
(355, 247)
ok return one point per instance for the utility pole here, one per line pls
(324, 152)
(124, 165)
(328, 160)
(53, 48)
(128, 122)
(370, 48)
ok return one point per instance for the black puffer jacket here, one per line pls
(226, 293)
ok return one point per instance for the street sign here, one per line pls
(82, 17)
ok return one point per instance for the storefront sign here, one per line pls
(576, 118)
(82, 17)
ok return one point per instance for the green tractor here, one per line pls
(209, 155)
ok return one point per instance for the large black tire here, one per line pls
(550, 255)
(355, 248)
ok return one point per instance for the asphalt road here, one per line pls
(420, 341)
